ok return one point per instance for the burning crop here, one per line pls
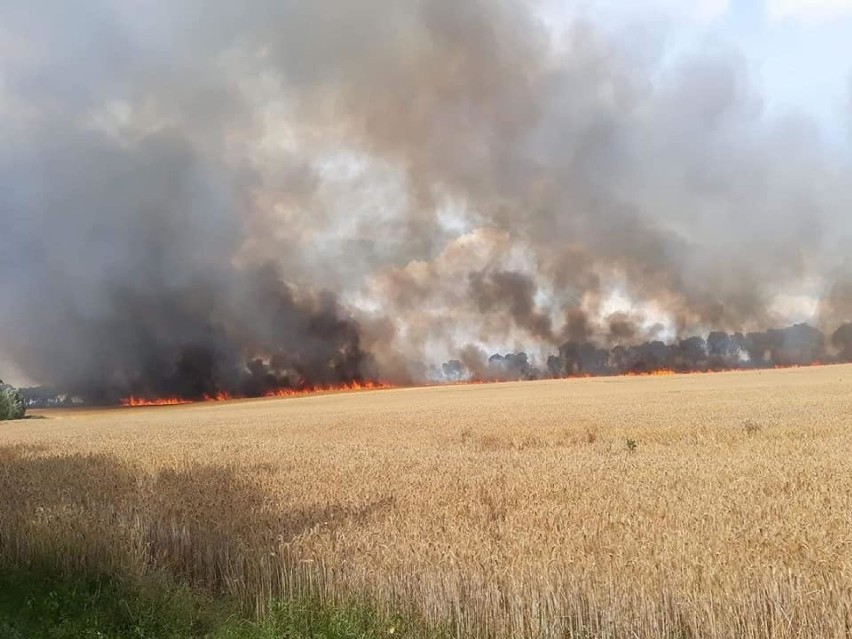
(134, 401)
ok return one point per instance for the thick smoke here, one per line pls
(119, 273)
(208, 196)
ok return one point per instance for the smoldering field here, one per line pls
(512, 509)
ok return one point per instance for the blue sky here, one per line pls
(798, 53)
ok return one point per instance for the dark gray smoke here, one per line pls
(119, 266)
(207, 196)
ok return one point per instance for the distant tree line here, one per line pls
(48, 397)
(796, 345)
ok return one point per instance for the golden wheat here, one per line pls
(503, 510)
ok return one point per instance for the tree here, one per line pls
(12, 404)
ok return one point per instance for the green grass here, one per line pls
(46, 604)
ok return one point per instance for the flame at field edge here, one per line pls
(134, 401)
(351, 386)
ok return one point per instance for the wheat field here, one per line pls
(715, 505)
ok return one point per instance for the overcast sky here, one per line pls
(798, 53)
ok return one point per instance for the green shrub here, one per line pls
(12, 404)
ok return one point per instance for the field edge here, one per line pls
(43, 600)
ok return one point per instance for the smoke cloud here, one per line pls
(216, 196)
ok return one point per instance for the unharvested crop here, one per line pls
(502, 510)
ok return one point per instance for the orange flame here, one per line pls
(161, 401)
(134, 401)
(221, 396)
(308, 390)
(654, 373)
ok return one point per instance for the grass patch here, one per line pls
(44, 603)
